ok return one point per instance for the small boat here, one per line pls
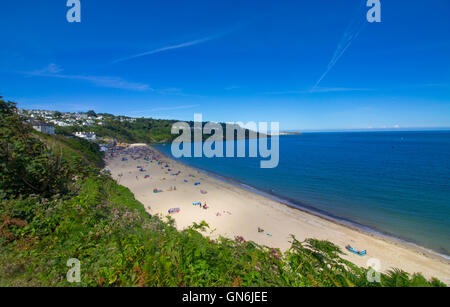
(355, 251)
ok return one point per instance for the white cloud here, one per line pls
(52, 68)
(318, 90)
(159, 109)
(53, 71)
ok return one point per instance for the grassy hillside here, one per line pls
(65, 207)
(73, 148)
(143, 130)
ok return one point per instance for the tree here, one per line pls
(91, 113)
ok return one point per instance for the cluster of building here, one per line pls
(63, 119)
(45, 121)
(107, 143)
(47, 128)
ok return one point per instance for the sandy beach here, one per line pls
(233, 211)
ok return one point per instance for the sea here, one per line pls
(395, 183)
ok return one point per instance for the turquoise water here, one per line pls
(392, 182)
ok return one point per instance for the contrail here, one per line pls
(351, 33)
(182, 45)
(187, 44)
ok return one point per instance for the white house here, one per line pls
(59, 123)
(90, 136)
(43, 127)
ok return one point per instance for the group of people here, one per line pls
(205, 206)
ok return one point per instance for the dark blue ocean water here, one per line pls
(393, 182)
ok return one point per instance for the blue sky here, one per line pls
(309, 64)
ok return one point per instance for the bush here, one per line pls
(27, 166)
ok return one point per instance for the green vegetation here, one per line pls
(74, 148)
(142, 130)
(56, 205)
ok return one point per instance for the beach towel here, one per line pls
(355, 251)
(174, 210)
